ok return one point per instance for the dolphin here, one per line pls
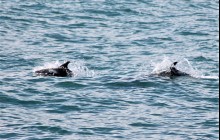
(173, 71)
(61, 71)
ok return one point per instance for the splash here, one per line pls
(78, 68)
(162, 66)
(183, 65)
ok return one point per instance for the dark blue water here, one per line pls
(115, 48)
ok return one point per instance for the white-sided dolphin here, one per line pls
(173, 71)
(61, 71)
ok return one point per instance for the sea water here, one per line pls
(116, 48)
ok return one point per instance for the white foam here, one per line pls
(47, 65)
(210, 77)
(162, 66)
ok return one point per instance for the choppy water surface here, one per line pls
(115, 48)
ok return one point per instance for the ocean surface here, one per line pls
(116, 49)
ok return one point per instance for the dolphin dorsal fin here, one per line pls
(172, 67)
(65, 65)
(175, 63)
(174, 71)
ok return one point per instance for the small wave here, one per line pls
(70, 84)
(4, 98)
(132, 84)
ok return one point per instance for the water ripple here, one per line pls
(114, 47)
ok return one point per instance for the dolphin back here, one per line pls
(61, 71)
(176, 72)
